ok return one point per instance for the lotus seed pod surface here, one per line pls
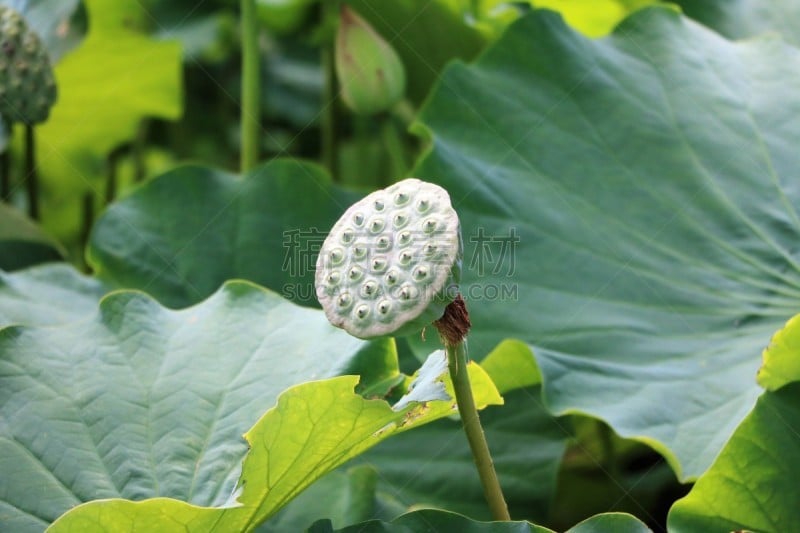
(27, 85)
(392, 262)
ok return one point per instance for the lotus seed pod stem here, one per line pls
(27, 86)
(370, 73)
(392, 263)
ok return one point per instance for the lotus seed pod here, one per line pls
(369, 71)
(392, 262)
(27, 86)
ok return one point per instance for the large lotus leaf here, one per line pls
(266, 228)
(428, 520)
(642, 187)
(314, 428)
(740, 19)
(426, 34)
(526, 442)
(23, 243)
(46, 295)
(752, 486)
(115, 78)
(140, 401)
(343, 497)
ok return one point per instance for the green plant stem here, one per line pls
(112, 168)
(87, 221)
(138, 151)
(405, 112)
(328, 140)
(457, 363)
(362, 137)
(251, 89)
(31, 176)
(5, 176)
(394, 148)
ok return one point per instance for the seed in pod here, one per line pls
(392, 262)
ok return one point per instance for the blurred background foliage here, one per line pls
(146, 85)
(150, 84)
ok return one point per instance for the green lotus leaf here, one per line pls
(343, 497)
(22, 242)
(752, 485)
(266, 228)
(782, 357)
(608, 522)
(740, 19)
(47, 295)
(314, 428)
(137, 401)
(433, 520)
(628, 209)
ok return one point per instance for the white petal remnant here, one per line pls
(428, 385)
(392, 262)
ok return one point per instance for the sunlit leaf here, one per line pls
(782, 357)
(106, 86)
(752, 486)
(314, 428)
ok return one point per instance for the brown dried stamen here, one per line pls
(454, 324)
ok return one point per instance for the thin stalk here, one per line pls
(87, 221)
(329, 13)
(393, 145)
(453, 327)
(5, 164)
(457, 363)
(251, 86)
(138, 151)
(112, 168)
(5, 176)
(405, 112)
(31, 176)
(362, 135)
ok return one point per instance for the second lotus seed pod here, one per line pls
(392, 262)
(27, 85)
